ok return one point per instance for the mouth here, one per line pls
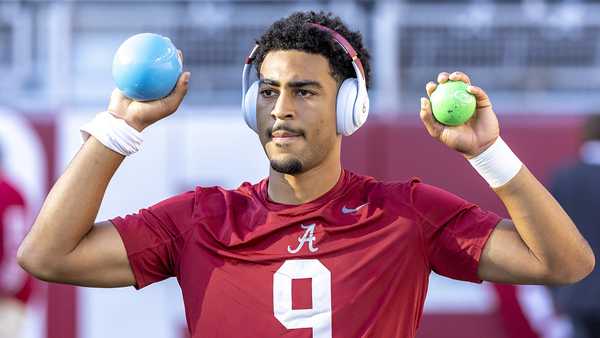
(285, 136)
(287, 139)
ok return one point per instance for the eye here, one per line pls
(267, 93)
(305, 93)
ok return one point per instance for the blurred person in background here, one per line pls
(15, 283)
(577, 188)
(313, 250)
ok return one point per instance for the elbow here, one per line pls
(26, 259)
(574, 271)
(23, 258)
(585, 267)
(591, 264)
(35, 263)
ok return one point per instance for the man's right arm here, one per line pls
(64, 245)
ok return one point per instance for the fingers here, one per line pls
(460, 76)
(180, 53)
(118, 94)
(482, 99)
(181, 88)
(430, 87)
(118, 102)
(434, 128)
(456, 76)
(175, 98)
(443, 77)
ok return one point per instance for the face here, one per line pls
(295, 111)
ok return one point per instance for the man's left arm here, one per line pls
(541, 244)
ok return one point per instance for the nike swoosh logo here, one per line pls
(352, 210)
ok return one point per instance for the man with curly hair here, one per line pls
(313, 250)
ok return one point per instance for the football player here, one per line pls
(313, 250)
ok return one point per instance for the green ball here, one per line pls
(452, 104)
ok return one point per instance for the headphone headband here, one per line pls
(344, 44)
(337, 37)
(251, 56)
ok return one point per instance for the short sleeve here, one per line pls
(454, 231)
(154, 237)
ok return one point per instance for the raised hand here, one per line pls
(140, 115)
(471, 138)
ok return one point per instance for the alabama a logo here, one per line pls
(308, 237)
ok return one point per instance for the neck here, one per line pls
(304, 187)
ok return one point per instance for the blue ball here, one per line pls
(146, 67)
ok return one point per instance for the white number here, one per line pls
(319, 317)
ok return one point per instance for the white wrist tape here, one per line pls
(114, 133)
(497, 164)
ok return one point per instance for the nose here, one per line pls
(285, 108)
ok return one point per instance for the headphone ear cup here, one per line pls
(250, 100)
(346, 99)
(361, 109)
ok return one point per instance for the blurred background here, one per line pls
(538, 60)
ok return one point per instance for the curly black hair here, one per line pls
(294, 33)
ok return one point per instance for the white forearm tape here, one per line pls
(114, 133)
(497, 164)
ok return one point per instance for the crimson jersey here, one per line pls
(353, 263)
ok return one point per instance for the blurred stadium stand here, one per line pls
(531, 55)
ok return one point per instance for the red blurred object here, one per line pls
(14, 282)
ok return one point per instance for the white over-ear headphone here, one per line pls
(352, 107)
